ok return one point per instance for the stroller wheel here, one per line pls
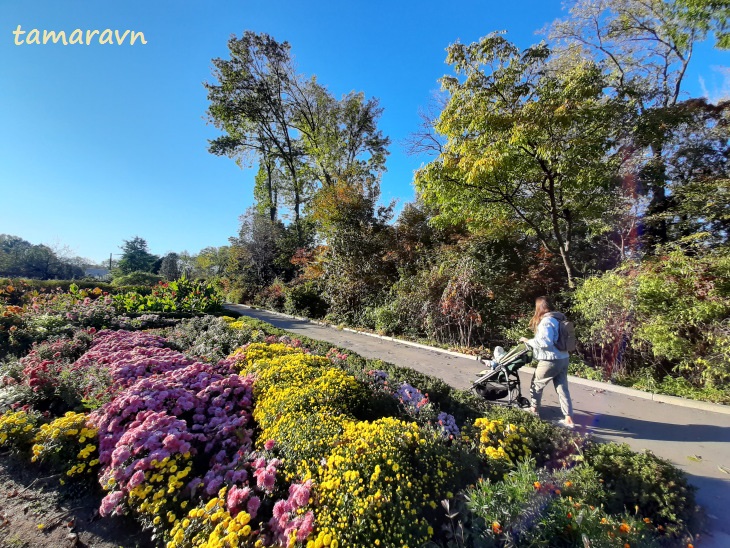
(523, 402)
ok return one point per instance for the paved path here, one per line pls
(671, 431)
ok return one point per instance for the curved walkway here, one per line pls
(692, 435)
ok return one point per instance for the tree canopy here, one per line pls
(136, 257)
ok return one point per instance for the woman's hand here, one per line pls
(523, 340)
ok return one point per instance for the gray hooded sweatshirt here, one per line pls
(543, 344)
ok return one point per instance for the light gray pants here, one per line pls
(557, 371)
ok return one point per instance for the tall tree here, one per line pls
(305, 138)
(170, 266)
(252, 104)
(266, 187)
(646, 47)
(136, 257)
(528, 148)
(340, 137)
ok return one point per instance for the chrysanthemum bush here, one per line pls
(387, 475)
(68, 443)
(17, 429)
(301, 401)
(380, 485)
(501, 445)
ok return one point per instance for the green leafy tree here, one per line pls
(708, 15)
(528, 148)
(23, 259)
(252, 103)
(266, 187)
(339, 137)
(305, 139)
(699, 172)
(136, 257)
(170, 267)
(212, 261)
(646, 47)
(670, 312)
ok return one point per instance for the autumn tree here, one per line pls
(528, 148)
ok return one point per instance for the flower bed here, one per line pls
(291, 443)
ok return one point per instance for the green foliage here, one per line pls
(181, 296)
(19, 258)
(305, 299)
(138, 277)
(531, 508)
(136, 257)
(356, 267)
(677, 386)
(528, 148)
(208, 338)
(169, 267)
(579, 368)
(672, 311)
(708, 15)
(643, 483)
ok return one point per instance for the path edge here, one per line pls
(633, 392)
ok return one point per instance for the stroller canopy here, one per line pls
(516, 357)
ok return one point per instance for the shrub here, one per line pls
(644, 483)
(49, 374)
(553, 447)
(386, 320)
(181, 296)
(272, 297)
(502, 445)
(294, 389)
(208, 337)
(528, 508)
(17, 429)
(137, 278)
(672, 312)
(304, 299)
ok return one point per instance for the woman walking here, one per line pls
(552, 363)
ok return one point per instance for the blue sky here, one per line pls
(101, 143)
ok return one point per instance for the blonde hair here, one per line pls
(542, 307)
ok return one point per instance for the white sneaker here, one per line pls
(564, 424)
(531, 411)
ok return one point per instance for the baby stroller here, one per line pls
(501, 383)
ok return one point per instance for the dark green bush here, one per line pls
(644, 483)
(145, 279)
(304, 299)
